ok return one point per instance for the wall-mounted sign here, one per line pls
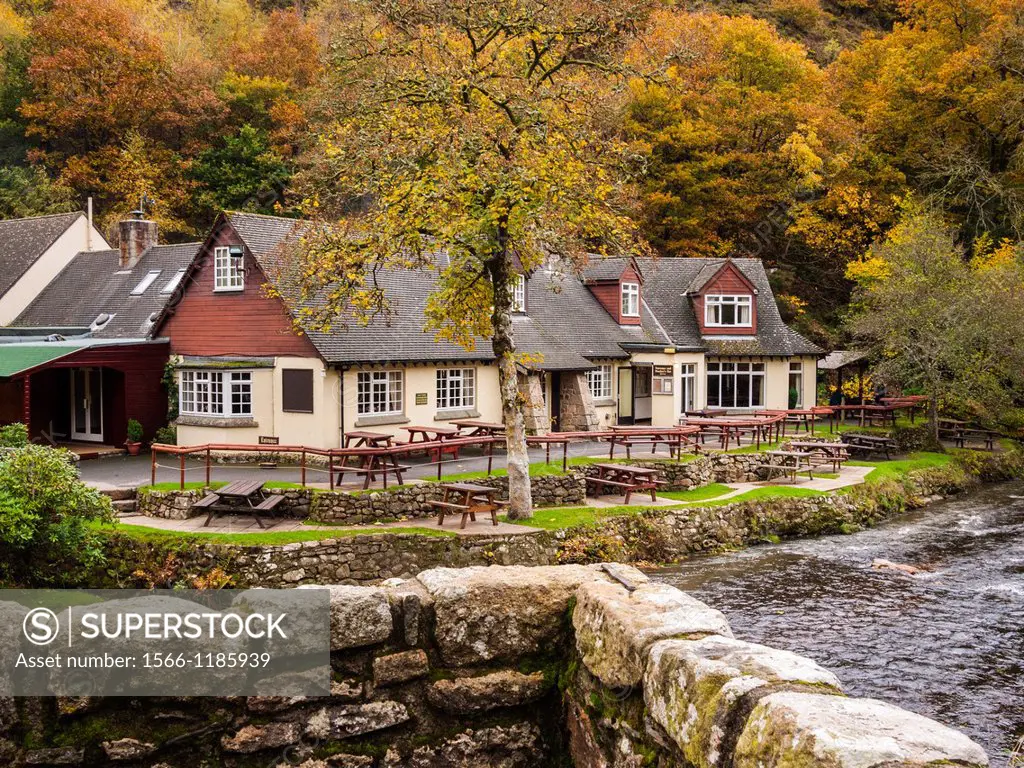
(421, 398)
(663, 370)
(268, 440)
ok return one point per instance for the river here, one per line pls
(948, 643)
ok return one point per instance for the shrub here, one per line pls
(13, 435)
(166, 435)
(44, 517)
(134, 431)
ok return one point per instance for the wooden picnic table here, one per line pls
(431, 439)
(733, 428)
(867, 413)
(625, 477)
(960, 432)
(477, 427)
(835, 454)
(239, 496)
(467, 499)
(370, 463)
(789, 463)
(675, 438)
(358, 439)
(869, 444)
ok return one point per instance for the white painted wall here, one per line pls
(422, 380)
(73, 240)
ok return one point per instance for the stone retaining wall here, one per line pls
(369, 507)
(509, 667)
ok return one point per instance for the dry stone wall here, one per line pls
(369, 507)
(509, 667)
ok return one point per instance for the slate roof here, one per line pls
(600, 269)
(23, 241)
(668, 280)
(564, 322)
(94, 284)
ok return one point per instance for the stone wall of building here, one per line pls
(509, 667)
(576, 405)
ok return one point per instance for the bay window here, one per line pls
(215, 393)
(456, 388)
(735, 385)
(600, 382)
(726, 311)
(379, 393)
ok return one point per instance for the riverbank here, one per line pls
(944, 642)
(623, 534)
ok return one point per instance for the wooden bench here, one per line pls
(207, 501)
(786, 470)
(269, 503)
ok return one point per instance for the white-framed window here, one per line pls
(600, 381)
(631, 299)
(215, 393)
(227, 270)
(456, 388)
(728, 311)
(519, 293)
(796, 385)
(379, 393)
(688, 386)
(735, 385)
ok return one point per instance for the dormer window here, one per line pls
(519, 294)
(227, 268)
(631, 299)
(728, 311)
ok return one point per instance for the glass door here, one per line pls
(87, 404)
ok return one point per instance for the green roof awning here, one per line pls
(17, 358)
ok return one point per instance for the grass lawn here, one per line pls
(697, 494)
(894, 470)
(267, 537)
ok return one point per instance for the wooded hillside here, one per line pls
(792, 130)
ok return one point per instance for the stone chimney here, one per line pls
(135, 236)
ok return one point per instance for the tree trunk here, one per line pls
(503, 342)
(933, 417)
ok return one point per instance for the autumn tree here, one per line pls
(942, 323)
(101, 80)
(467, 127)
(942, 96)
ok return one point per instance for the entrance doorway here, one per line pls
(626, 412)
(87, 404)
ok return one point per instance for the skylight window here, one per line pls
(147, 281)
(173, 282)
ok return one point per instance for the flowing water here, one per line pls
(947, 643)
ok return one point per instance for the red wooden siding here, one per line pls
(246, 322)
(609, 294)
(132, 389)
(729, 281)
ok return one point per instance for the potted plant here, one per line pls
(134, 441)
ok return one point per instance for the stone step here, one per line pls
(118, 494)
(124, 507)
